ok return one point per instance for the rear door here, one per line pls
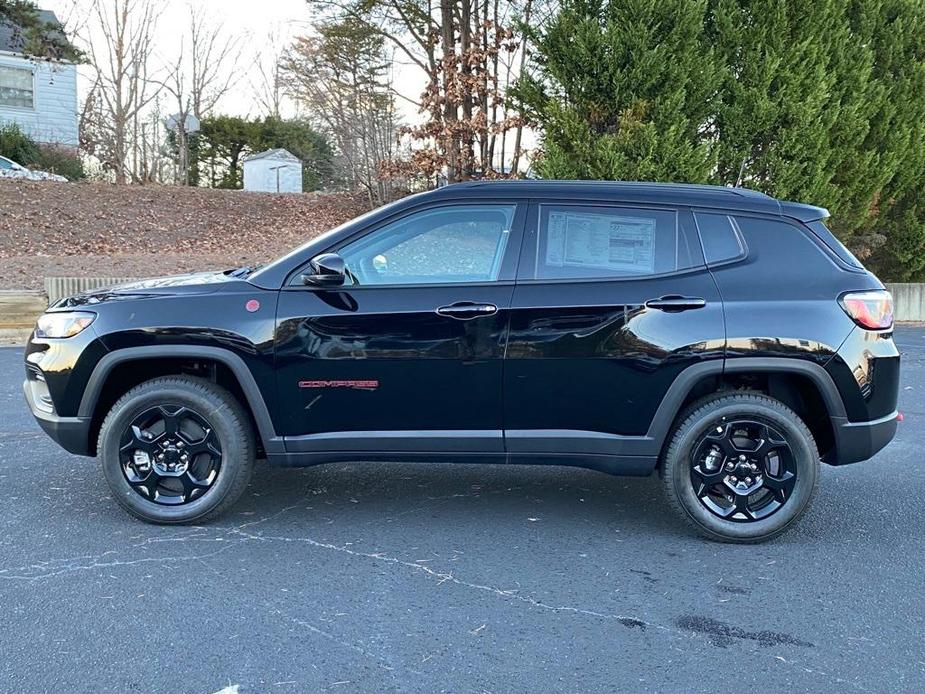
(612, 302)
(408, 355)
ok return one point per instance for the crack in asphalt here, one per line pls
(689, 626)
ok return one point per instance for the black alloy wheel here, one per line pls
(740, 466)
(170, 454)
(177, 449)
(743, 470)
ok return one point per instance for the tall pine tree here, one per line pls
(898, 134)
(623, 90)
(819, 101)
(796, 103)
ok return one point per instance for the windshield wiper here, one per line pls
(242, 272)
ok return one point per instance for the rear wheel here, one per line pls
(740, 467)
(177, 450)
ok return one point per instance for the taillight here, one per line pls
(872, 310)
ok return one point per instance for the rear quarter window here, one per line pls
(785, 261)
(837, 247)
(720, 236)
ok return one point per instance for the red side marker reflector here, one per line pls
(899, 417)
(252, 305)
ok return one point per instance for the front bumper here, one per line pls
(857, 441)
(71, 433)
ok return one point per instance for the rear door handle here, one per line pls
(676, 304)
(467, 310)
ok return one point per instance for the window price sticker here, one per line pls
(584, 239)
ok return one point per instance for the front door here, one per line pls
(407, 356)
(612, 303)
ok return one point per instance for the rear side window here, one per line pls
(836, 246)
(721, 238)
(578, 241)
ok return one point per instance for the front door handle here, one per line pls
(467, 310)
(675, 303)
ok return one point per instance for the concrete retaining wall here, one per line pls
(19, 309)
(908, 301)
(60, 287)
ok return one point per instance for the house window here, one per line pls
(16, 87)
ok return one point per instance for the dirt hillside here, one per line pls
(97, 229)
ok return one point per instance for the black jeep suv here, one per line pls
(717, 335)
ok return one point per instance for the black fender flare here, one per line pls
(670, 406)
(255, 400)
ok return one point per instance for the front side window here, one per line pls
(16, 87)
(5, 164)
(576, 242)
(453, 244)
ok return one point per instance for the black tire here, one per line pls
(702, 503)
(228, 427)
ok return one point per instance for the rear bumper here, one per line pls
(71, 433)
(857, 441)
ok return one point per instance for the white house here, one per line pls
(273, 171)
(38, 95)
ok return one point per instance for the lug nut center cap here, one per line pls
(172, 462)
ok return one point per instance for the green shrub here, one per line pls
(59, 161)
(16, 145)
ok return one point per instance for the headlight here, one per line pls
(65, 324)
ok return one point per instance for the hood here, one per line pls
(196, 283)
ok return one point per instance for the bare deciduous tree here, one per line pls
(342, 78)
(200, 74)
(466, 49)
(120, 53)
(267, 82)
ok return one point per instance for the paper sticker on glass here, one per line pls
(585, 239)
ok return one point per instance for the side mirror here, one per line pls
(328, 270)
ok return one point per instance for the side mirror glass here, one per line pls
(327, 270)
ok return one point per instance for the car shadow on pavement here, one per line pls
(501, 494)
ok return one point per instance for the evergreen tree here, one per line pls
(819, 101)
(623, 90)
(898, 133)
(796, 104)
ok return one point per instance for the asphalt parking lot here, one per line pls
(430, 578)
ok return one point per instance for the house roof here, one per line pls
(276, 154)
(12, 40)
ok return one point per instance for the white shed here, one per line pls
(273, 171)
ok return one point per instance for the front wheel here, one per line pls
(740, 467)
(177, 449)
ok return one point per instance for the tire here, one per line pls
(217, 469)
(709, 499)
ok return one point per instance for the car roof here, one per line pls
(687, 194)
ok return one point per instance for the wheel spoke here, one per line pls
(707, 478)
(719, 436)
(781, 487)
(770, 441)
(740, 505)
(191, 485)
(139, 441)
(173, 420)
(206, 444)
(147, 486)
